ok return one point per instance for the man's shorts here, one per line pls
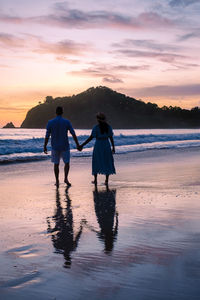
(57, 155)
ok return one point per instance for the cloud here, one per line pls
(190, 35)
(92, 72)
(109, 73)
(183, 3)
(75, 18)
(165, 57)
(9, 40)
(61, 6)
(129, 68)
(39, 45)
(182, 66)
(147, 48)
(145, 44)
(7, 108)
(11, 19)
(67, 60)
(168, 90)
(2, 66)
(112, 80)
(65, 47)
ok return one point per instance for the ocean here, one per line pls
(23, 145)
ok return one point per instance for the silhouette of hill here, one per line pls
(121, 111)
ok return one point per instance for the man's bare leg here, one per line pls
(56, 172)
(66, 170)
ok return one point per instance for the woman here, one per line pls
(102, 158)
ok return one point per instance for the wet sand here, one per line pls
(140, 239)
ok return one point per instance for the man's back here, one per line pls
(58, 129)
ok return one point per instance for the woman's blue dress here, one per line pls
(102, 158)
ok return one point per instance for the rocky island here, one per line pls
(9, 125)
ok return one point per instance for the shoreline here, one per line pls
(133, 168)
(132, 155)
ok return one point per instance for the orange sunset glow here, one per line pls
(148, 50)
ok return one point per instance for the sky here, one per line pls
(146, 49)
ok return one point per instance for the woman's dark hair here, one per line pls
(101, 118)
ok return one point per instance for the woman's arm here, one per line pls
(87, 141)
(113, 144)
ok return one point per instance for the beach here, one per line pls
(138, 239)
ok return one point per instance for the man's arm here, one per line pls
(71, 129)
(45, 144)
(75, 140)
(48, 132)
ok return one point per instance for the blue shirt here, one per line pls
(58, 130)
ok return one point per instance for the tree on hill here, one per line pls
(48, 99)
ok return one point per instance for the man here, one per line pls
(58, 129)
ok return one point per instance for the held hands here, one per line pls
(79, 147)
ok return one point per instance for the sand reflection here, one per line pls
(65, 241)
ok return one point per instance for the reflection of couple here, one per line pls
(102, 158)
(64, 239)
(107, 217)
(62, 233)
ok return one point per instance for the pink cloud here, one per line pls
(67, 60)
(37, 44)
(73, 18)
(11, 19)
(65, 47)
(99, 19)
(9, 40)
(168, 90)
(146, 44)
(151, 19)
(7, 108)
(112, 79)
(163, 56)
(109, 73)
(130, 68)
